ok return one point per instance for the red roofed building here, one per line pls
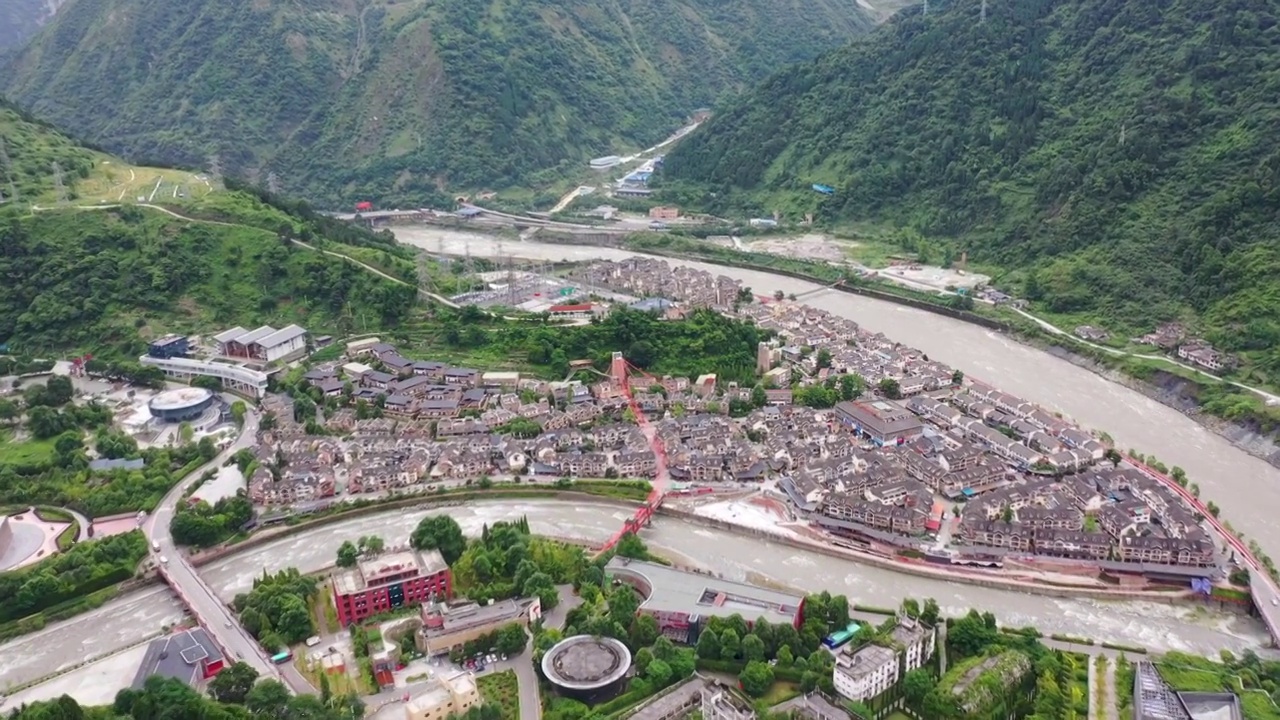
(572, 312)
(365, 206)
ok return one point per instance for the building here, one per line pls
(181, 404)
(446, 626)
(663, 212)
(721, 704)
(243, 380)
(680, 600)
(389, 581)
(187, 655)
(763, 223)
(265, 344)
(885, 423)
(586, 667)
(445, 696)
(603, 163)
(868, 671)
(168, 346)
(364, 346)
(1153, 699)
(578, 311)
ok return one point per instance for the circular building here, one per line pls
(180, 405)
(586, 666)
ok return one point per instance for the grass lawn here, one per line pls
(27, 452)
(114, 181)
(898, 715)
(502, 689)
(326, 616)
(67, 537)
(780, 692)
(340, 683)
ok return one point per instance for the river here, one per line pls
(1246, 488)
(1155, 625)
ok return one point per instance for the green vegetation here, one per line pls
(276, 611)
(1115, 154)
(1253, 679)
(315, 98)
(205, 525)
(703, 342)
(507, 561)
(168, 697)
(502, 691)
(85, 568)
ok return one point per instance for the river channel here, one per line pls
(1246, 488)
(1154, 625)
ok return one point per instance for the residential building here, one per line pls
(445, 696)
(866, 672)
(664, 212)
(389, 581)
(720, 703)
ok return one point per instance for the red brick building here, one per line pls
(390, 581)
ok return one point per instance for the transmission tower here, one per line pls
(58, 185)
(7, 167)
(926, 8)
(215, 168)
(984, 12)
(273, 183)
(1123, 127)
(425, 280)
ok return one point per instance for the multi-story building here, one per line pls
(868, 671)
(721, 704)
(447, 696)
(445, 627)
(389, 581)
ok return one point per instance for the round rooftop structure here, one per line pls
(586, 664)
(181, 404)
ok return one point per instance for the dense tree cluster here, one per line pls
(276, 611)
(200, 524)
(86, 567)
(507, 561)
(1117, 151)
(440, 532)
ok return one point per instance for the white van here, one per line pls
(164, 560)
(155, 546)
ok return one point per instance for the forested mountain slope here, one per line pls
(1124, 151)
(392, 100)
(104, 280)
(20, 19)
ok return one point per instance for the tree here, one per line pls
(268, 698)
(709, 645)
(785, 657)
(890, 388)
(759, 398)
(851, 387)
(440, 532)
(644, 631)
(9, 410)
(930, 612)
(824, 358)
(659, 673)
(756, 678)
(233, 683)
(957, 378)
(630, 545)
(348, 555)
(752, 647)
(916, 685)
(730, 644)
(371, 545)
(238, 410)
(512, 639)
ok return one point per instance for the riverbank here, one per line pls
(1175, 391)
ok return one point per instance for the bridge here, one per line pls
(1263, 589)
(620, 373)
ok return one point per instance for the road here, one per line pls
(215, 616)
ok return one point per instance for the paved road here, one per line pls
(216, 617)
(1111, 701)
(1094, 690)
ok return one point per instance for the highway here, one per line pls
(213, 615)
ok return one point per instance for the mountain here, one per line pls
(1119, 154)
(395, 100)
(104, 278)
(20, 19)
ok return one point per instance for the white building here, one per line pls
(719, 704)
(870, 670)
(281, 344)
(235, 377)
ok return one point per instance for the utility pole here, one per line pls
(58, 185)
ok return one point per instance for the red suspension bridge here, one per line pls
(621, 373)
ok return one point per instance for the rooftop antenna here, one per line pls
(59, 186)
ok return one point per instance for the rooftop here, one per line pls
(584, 662)
(441, 619)
(178, 656)
(672, 590)
(379, 570)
